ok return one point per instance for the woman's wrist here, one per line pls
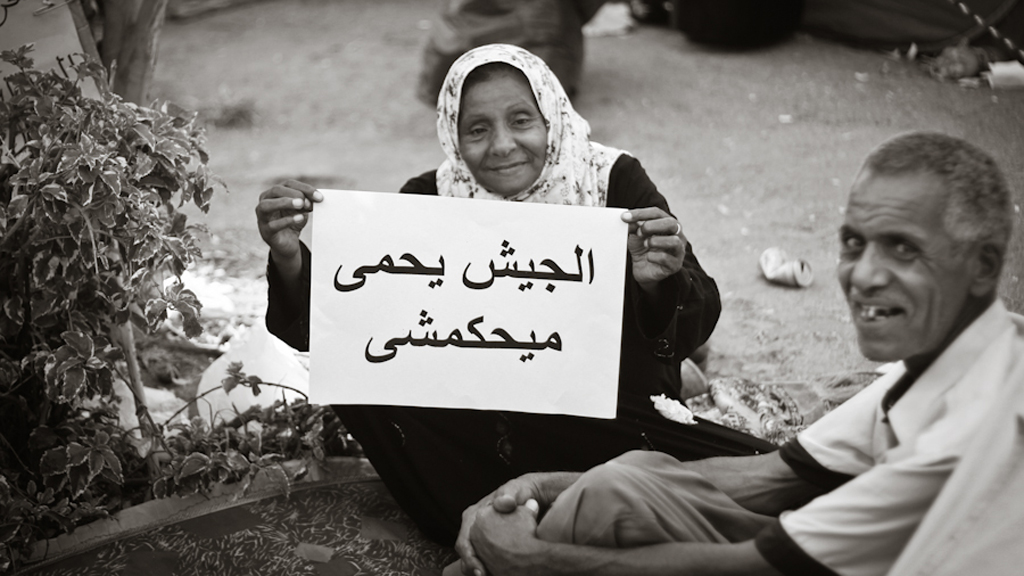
(655, 305)
(651, 290)
(288, 267)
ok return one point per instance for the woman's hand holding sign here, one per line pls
(281, 214)
(656, 244)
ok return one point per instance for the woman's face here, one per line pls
(502, 136)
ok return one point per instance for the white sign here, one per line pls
(454, 303)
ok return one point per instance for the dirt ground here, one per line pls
(330, 84)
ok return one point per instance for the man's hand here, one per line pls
(656, 244)
(505, 499)
(281, 213)
(535, 491)
(506, 540)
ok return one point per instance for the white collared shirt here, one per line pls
(902, 460)
(976, 523)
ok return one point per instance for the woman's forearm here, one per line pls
(289, 271)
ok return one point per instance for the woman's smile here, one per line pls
(505, 168)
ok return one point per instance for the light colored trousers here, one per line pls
(643, 498)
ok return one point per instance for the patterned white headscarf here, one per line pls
(575, 171)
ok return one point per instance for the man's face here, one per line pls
(903, 280)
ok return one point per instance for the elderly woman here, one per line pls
(510, 134)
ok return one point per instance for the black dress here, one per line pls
(436, 461)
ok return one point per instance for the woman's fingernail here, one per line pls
(298, 218)
(297, 203)
(627, 216)
(318, 196)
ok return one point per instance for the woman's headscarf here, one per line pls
(575, 171)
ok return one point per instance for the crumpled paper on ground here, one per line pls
(673, 410)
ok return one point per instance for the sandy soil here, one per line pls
(332, 87)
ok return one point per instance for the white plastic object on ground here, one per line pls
(673, 410)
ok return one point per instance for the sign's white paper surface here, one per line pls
(443, 302)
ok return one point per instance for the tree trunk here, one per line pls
(131, 30)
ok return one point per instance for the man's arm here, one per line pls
(763, 483)
(508, 547)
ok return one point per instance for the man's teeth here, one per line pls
(872, 312)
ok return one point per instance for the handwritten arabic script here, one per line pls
(465, 304)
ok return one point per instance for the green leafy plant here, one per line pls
(251, 446)
(92, 248)
(92, 243)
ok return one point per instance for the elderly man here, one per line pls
(921, 251)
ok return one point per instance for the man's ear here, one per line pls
(988, 264)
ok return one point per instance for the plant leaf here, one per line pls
(112, 181)
(156, 311)
(77, 454)
(194, 463)
(79, 342)
(229, 383)
(79, 479)
(54, 461)
(74, 381)
(237, 461)
(112, 462)
(160, 489)
(276, 475)
(96, 463)
(143, 166)
(14, 309)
